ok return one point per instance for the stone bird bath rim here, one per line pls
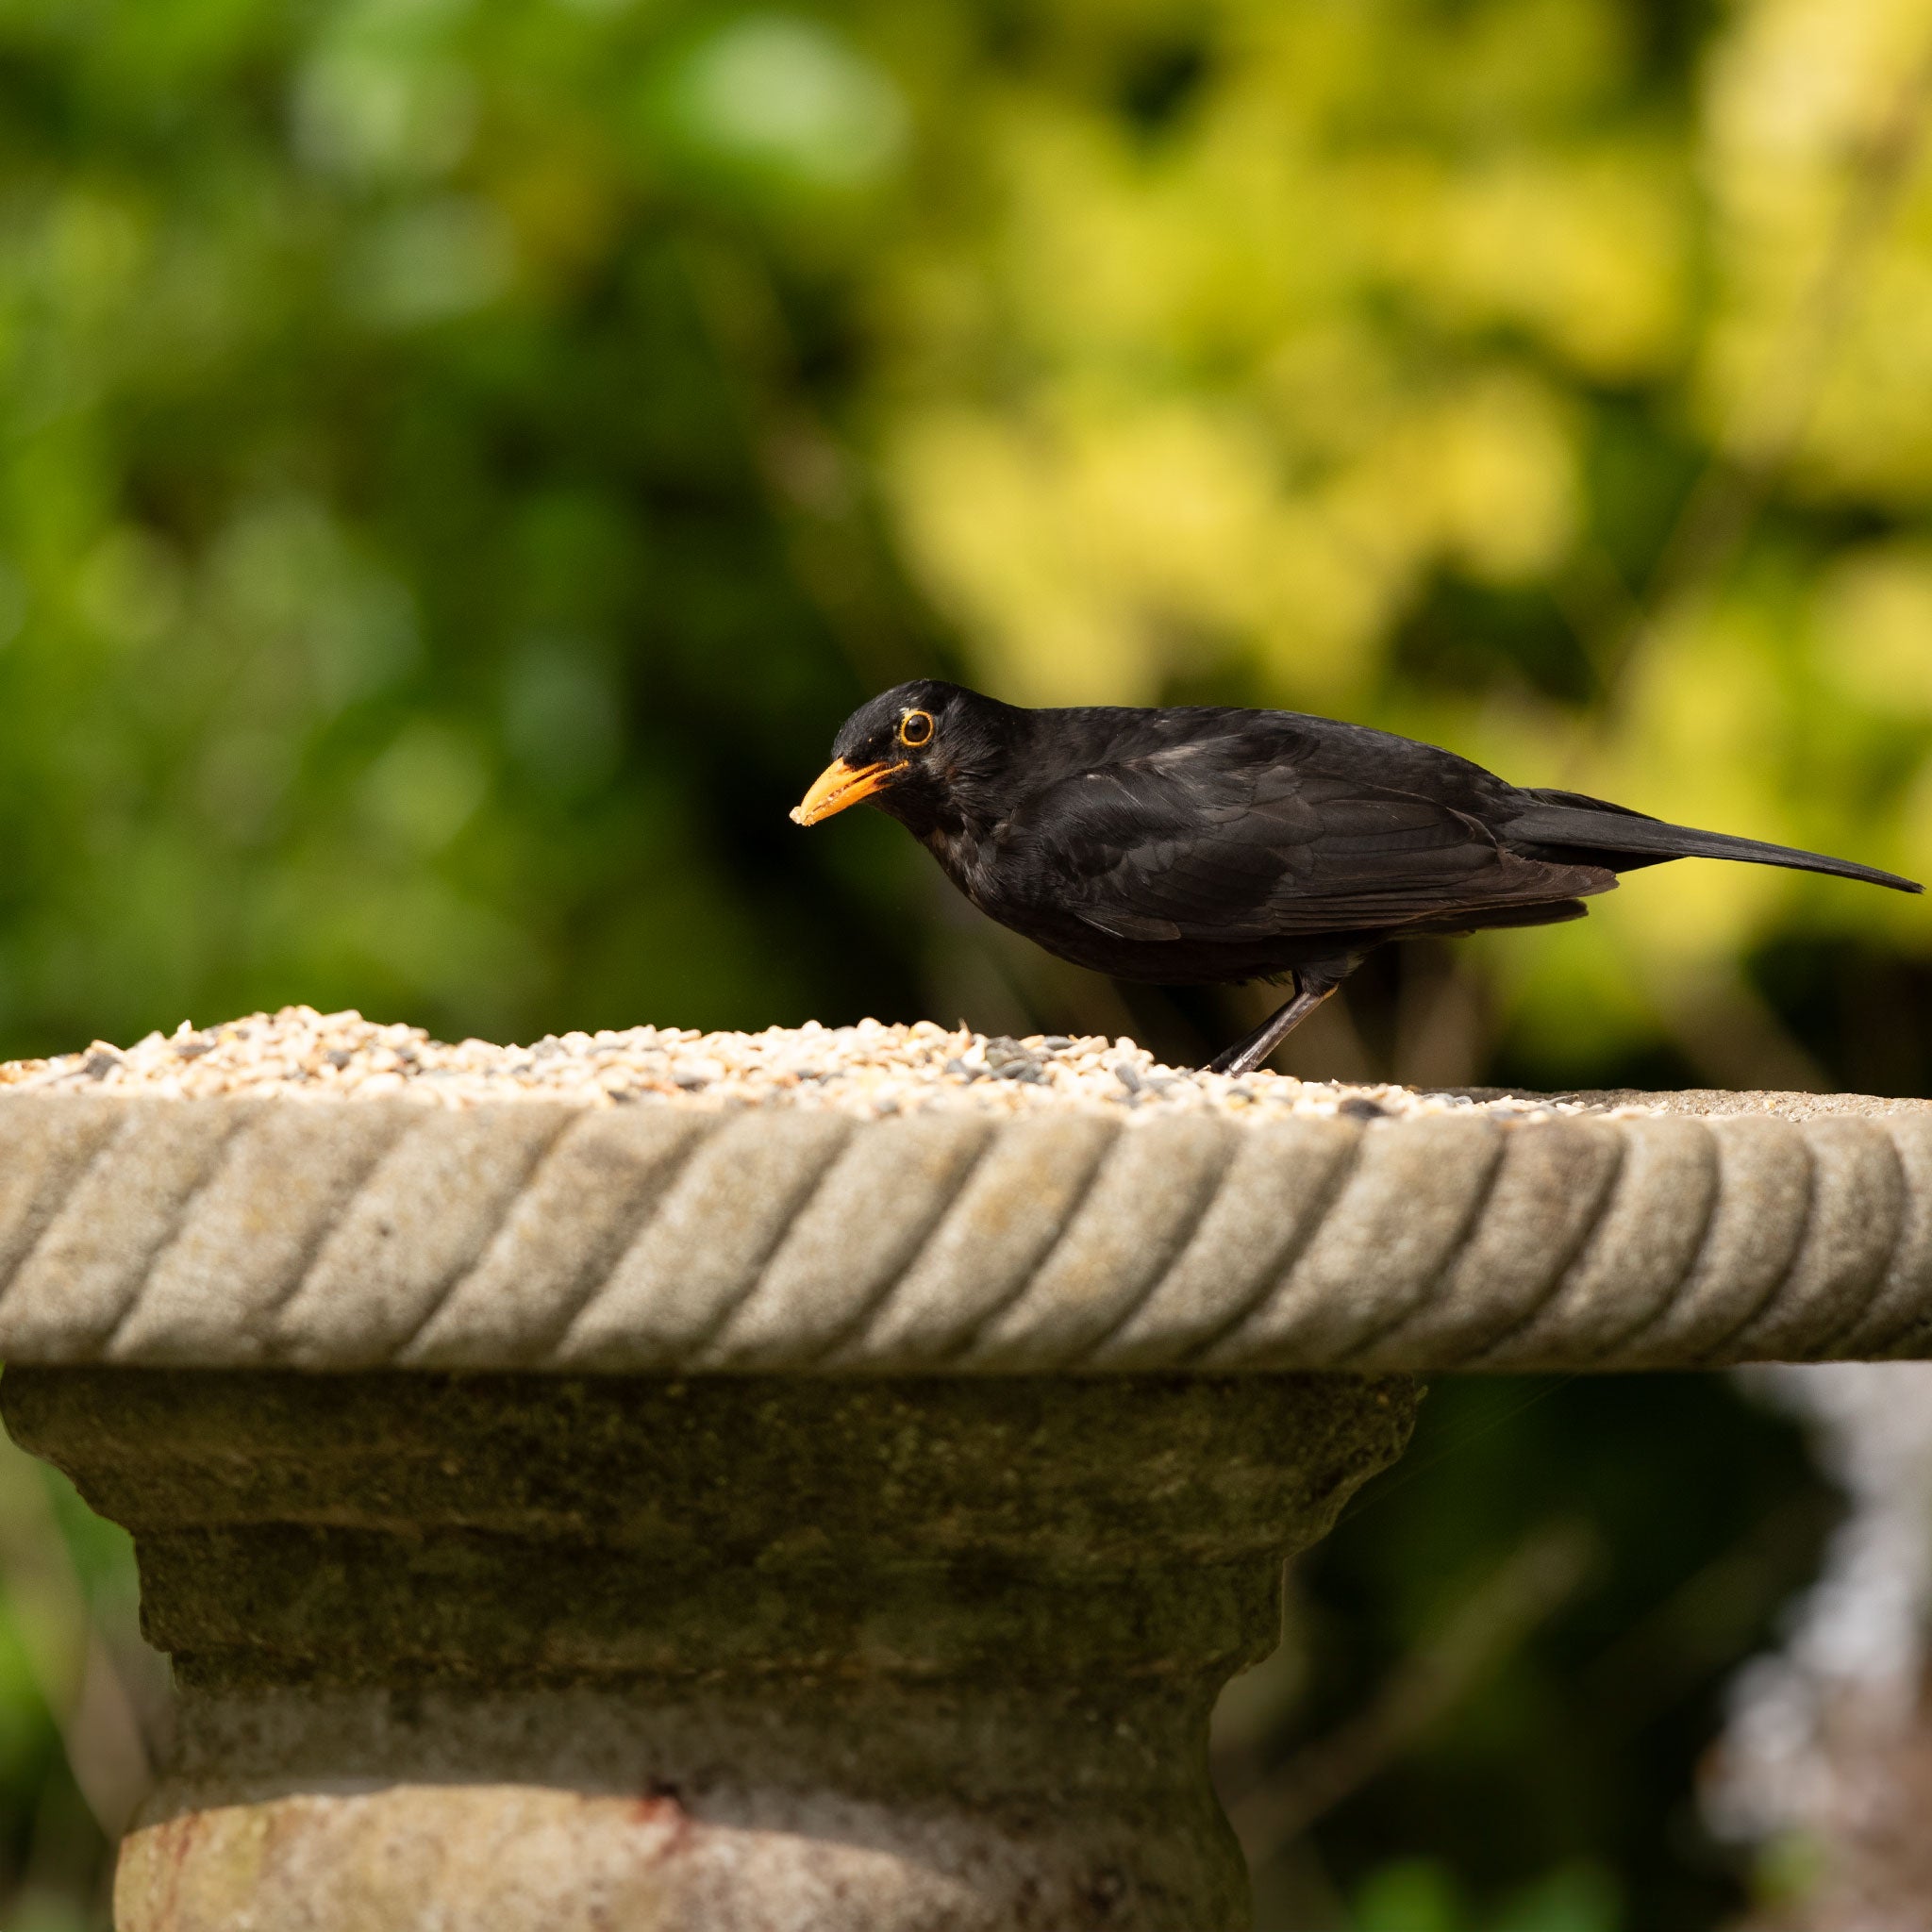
(706, 1507)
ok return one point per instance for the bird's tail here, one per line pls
(1613, 835)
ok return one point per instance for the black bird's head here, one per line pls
(914, 752)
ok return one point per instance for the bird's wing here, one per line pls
(1198, 843)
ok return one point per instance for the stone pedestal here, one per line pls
(663, 1515)
(504, 1653)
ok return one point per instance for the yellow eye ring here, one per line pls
(915, 729)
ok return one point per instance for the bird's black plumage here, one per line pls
(1197, 846)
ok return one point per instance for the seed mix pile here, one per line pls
(868, 1070)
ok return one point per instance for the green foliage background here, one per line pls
(460, 458)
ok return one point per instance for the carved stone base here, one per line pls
(529, 1653)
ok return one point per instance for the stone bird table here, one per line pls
(809, 1479)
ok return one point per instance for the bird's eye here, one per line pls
(915, 728)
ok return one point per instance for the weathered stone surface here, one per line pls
(744, 1519)
(1145, 1202)
(1546, 1196)
(514, 1857)
(1391, 1234)
(780, 1239)
(1007, 1215)
(506, 1651)
(600, 1181)
(1280, 1181)
(1649, 1227)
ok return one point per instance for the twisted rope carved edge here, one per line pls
(528, 1236)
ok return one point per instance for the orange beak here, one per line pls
(838, 786)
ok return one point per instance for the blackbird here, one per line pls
(1203, 846)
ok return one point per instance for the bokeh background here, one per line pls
(460, 460)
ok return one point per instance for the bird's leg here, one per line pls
(1312, 987)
